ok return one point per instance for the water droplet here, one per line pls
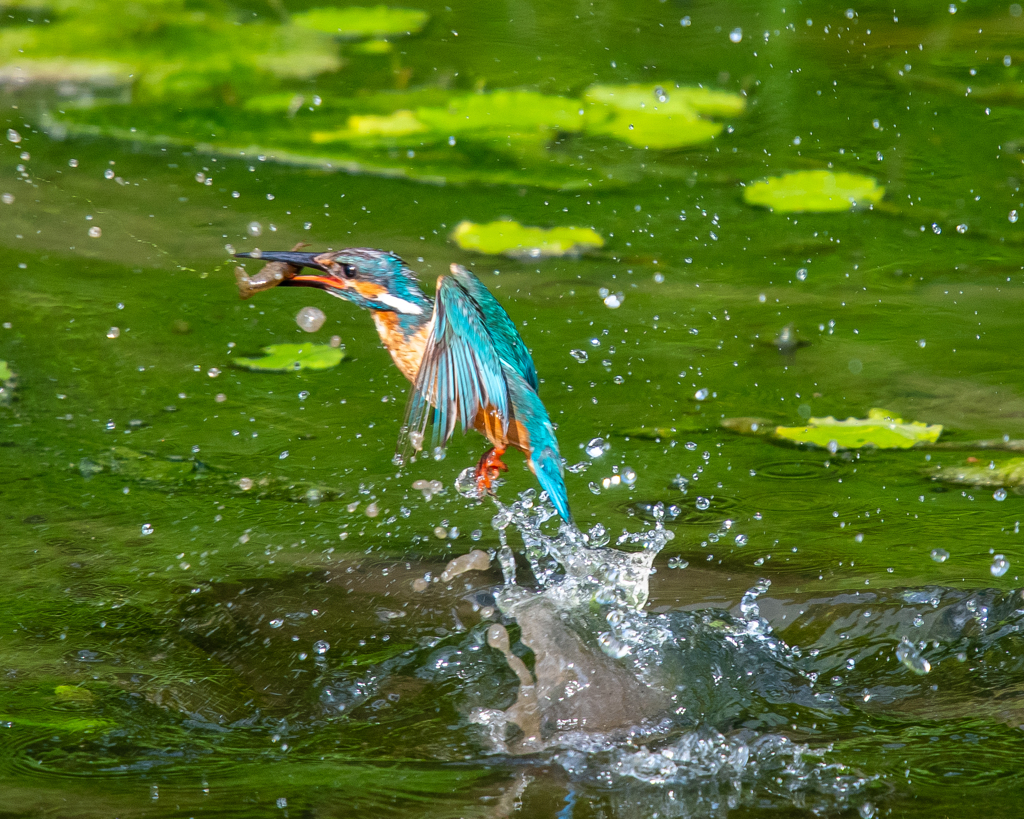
(245, 484)
(440, 532)
(72, 163)
(701, 394)
(940, 555)
(1013, 216)
(113, 332)
(321, 647)
(1000, 566)
(95, 232)
(200, 177)
(866, 810)
(13, 136)
(690, 445)
(741, 540)
(371, 510)
(277, 622)
(677, 563)
(596, 447)
(999, 494)
(147, 528)
(283, 455)
(7, 198)
(255, 229)
(628, 476)
(907, 653)
(702, 503)
(108, 173)
(961, 228)
(736, 35)
(579, 355)
(213, 372)
(451, 141)
(801, 274)
(614, 300)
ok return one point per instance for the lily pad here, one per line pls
(646, 129)
(667, 99)
(1007, 473)
(163, 51)
(356, 21)
(881, 429)
(283, 358)
(518, 241)
(659, 116)
(814, 192)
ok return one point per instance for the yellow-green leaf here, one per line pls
(5, 372)
(505, 112)
(74, 693)
(280, 358)
(881, 429)
(516, 240)
(666, 99)
(814, 191)
(1007, 473)
(647, 129)
(358, 21)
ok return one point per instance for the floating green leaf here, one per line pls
(513, 239)
(162, 50)
(1007, 473)
(356, 21)
(281, 358)
(666, 99)
(814, 191)
(645, 129)
(881, 429)
(658, 116)
(505, 112)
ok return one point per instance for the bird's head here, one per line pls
(374, 279)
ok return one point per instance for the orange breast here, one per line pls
(406, 351)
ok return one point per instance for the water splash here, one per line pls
(619, 695)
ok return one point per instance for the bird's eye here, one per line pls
(348, 271)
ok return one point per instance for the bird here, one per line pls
(468, 365)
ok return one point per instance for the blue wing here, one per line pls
(507, 342)
(461, 372)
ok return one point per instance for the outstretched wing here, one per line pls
(507, 343)
(460, 374)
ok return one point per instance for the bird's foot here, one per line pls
(489, 470)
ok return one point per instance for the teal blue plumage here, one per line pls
(474, 370)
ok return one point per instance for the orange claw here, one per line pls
(489, 468)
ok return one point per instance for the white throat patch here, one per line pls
(400, 305)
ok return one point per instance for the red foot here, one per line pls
(489, 468)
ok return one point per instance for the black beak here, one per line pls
(288, 257)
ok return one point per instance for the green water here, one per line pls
(158, 622)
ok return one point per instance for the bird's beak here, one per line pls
(288, 257)
(322, 279)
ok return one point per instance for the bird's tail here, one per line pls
(547, 466)
(544, 458)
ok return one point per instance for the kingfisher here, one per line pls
(468, 365)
